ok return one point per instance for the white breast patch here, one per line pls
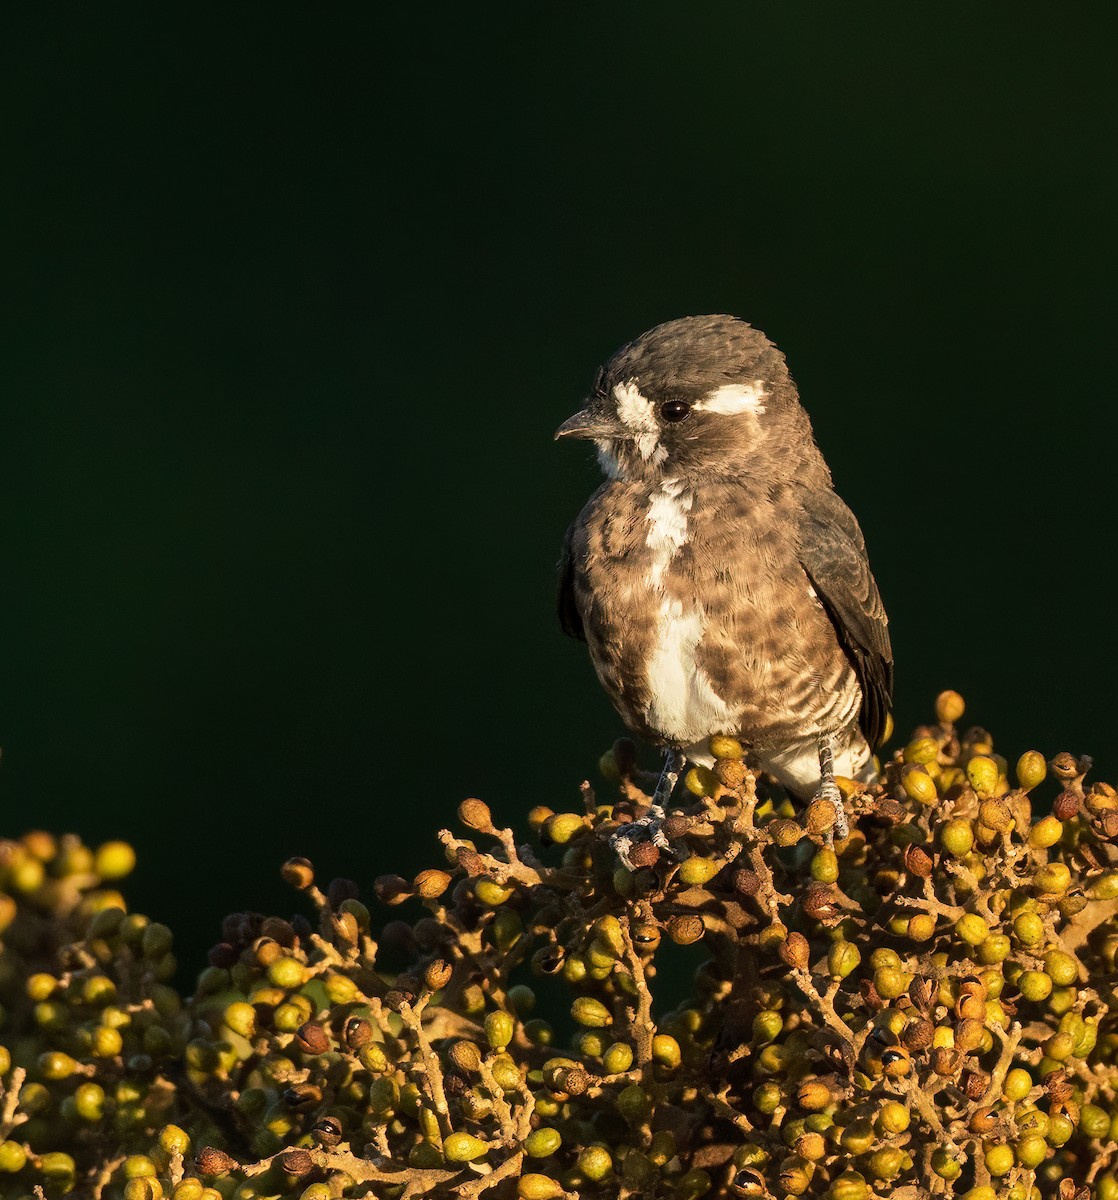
(684, 706)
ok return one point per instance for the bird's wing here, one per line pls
(833, 553)
(569, 616)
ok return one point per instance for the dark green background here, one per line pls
(294, 299)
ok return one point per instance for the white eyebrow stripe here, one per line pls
(734, 398)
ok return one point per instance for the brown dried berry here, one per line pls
(211, 1161)
(1058, 1086)
(975, 1084)
(747, 882)
(1065, 766)
(676, 826)
(437, 975)
(388, 889)
(476, 815)
(730, 772)
(818, 901)
(923, 992)
(465, 1056)
(969, 1034)
(298, 872)
(945, 1061)
(917, 1035)
(572, 1081)
(344, 928)
(356, 1032)
(1066, 805)
(784, 833)
(918, 862)
(820, 816)
(431, 884)
(795, 950)
(470, 861)
(302, 1097)
(223, 955)
(970, 1006)
(278, 930)
(985, 1120)
(644, 854)
(327, 1131)
(686, 928)
(312, 1038)
(890, 810)
(297, 1162)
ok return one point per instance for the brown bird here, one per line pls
(721, 585)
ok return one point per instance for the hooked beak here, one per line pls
(585, 424)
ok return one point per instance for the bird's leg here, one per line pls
(649, 826)
(669, 776)
(829, 789)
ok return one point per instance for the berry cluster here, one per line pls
(922, 1007)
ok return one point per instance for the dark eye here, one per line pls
(674, 410)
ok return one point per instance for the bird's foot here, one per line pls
(649, 829)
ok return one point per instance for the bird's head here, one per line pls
(699, 395)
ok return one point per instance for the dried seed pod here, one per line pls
(475, 814)
(388, 889)
(676, 826)
(795, 950)
(431, 884)
(644, 854)
(917, 1035)
(730, 773)
(685, 928)
(923, 992)
(298, 872)
(984, 1120)
(311, 1038)
(437, 975)
(1066, 805)
(297, 1162)
(918, 861)
(818, 901)
(820, 816)
(784, 833)
(302, 1097)
(747, 882)
(211, 1161)
(974, 1084)
(945, 1061)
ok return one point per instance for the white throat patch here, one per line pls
(734, 398)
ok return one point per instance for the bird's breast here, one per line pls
(700, 619)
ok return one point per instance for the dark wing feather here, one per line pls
(833, 553)
(569, 616)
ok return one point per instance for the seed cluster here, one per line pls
(922, 1007)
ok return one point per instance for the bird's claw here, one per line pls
(648, 829)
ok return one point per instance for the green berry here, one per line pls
(541, 1143)
(464, 1147)
(588, 1011)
